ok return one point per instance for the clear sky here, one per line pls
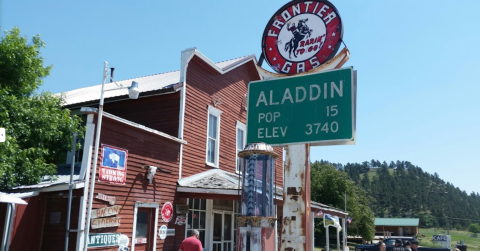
(418, 63)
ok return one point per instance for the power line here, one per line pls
(461, 219)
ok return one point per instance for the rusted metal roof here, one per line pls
(61, 178)
(146, 84)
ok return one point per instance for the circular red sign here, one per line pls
(301, 36)
(167, 212)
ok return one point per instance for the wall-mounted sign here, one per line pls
(181, 219)
(123, 241)
(110, 199)
(140, 240)
(113, 167)
(105, 222)
(301, 36)
(171, 232)
(162, 232)
(167, 212)
(103, 240)
(182, 209)
(105, 212)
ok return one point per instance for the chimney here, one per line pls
(111, 74)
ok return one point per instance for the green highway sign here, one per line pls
(316, 108)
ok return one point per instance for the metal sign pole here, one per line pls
(296, 228)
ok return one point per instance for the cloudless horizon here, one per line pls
(417, 63)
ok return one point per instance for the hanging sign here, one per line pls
(162, 232)
(167, 212)
(182, 209)
(110, 199)
(105, 222)
(113, 167)
(180, 220)
(301, 36)
(106, 211)
(103, 240)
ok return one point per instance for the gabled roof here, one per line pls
(168, 82)
(397, 222)
(217, 181)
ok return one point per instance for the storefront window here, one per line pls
(196, 217)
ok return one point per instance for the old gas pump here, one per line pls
(256, 225)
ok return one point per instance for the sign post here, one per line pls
(296, 112)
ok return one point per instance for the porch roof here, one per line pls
(220, 182)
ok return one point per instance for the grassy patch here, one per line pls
(473, 243)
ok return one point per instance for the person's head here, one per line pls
(406, 244)
(383, 246)
(194, 232)
(414, 244)
(398, 243)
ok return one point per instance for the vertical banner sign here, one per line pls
(113, 167)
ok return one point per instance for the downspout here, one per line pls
(187, 55)
(7, 230)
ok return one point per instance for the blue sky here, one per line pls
(417, 62)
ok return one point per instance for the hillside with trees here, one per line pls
(401, 189)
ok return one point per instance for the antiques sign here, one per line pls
(103, 240)
(105, 222)
(105, 212)
(301, 36)
(113, 167)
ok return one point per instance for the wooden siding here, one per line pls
(159, 112)
(54, 228)
(230, 88)
(143, 148)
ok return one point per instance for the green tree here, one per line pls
(474, 228)
(38, 130)
(328, 186)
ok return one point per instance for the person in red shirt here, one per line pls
(192, 243)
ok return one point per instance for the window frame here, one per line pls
(242, 127)
(216, 113)
(134, 232)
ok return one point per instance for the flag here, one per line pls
(349, 220)
(319, 213)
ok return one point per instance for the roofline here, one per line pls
(173, 89)
(89, 110)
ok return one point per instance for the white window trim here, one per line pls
(243, 127)
(135, 210)
(217, 113)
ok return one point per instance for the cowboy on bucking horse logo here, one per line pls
(299, 32)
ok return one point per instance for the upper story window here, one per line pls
(213, 136)
(241, 142)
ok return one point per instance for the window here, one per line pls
(144, 235)
(241, 141)
(197, 217)
(213, 136)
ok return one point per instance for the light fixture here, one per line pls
(133, 90)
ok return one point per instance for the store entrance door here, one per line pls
(222, 231)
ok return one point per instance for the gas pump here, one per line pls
(256, 225)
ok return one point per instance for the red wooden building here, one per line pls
(190, 125)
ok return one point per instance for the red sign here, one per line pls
(167, 212)
(301, 36)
